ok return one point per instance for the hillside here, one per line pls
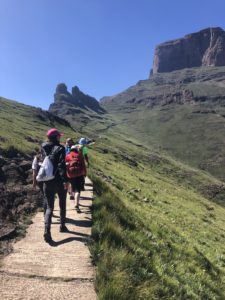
(158, 230)
(155, 220)
(180, 113)
(22, 129)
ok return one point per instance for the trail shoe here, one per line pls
(63, 228)
(78, 209)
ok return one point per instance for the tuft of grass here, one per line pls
(25, 222)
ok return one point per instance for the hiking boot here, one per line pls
(78, 208)
(63, 228)
(47, 237)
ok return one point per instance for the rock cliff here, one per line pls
(78, 99)
(203, 48)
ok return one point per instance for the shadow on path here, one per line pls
(80, 223)
(82, 205)
(86, 198)
(78, 233)
(67, 240)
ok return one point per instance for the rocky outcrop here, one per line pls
(78, 99)
(204, 48)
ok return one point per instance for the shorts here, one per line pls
(77, 184)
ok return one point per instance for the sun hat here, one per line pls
(53, 132)
(83, 141)
(75, 147)
(69, 140)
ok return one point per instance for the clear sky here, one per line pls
(102, 46)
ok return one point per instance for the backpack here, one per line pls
(74, 166)
(46, 171)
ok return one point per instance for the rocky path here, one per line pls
(36, 270)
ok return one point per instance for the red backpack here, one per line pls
(75, 165)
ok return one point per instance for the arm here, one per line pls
(35, 171)
(85, 154)
(86, 159)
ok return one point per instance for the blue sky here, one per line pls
(102, 46)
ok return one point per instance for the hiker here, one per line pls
(68, 145)
(83, 142)
(76, 170)
(58, 185)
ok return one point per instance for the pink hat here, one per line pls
(53, 132)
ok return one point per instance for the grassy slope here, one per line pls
(165, 241)
(193, 133)
(195, 138)
(24, 127)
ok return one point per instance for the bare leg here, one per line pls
(77, 199)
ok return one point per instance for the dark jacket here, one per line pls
(56, 153)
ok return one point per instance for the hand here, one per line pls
(65, 185)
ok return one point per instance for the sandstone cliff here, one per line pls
(204, 48)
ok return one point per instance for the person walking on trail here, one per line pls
(83, 142)
(58, 185)
(76, 170)
(68, 145)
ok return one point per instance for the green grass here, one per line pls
(193, 132)
(164, 241)
(144, 255)
(158, 225)
(19, 123)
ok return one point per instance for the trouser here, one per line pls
(82, 183)
(44, 203)
(50, 189)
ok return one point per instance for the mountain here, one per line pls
(181, 112)
(76, 107)
(203, 48)
(158, 223)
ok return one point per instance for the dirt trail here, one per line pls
(36, 270)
